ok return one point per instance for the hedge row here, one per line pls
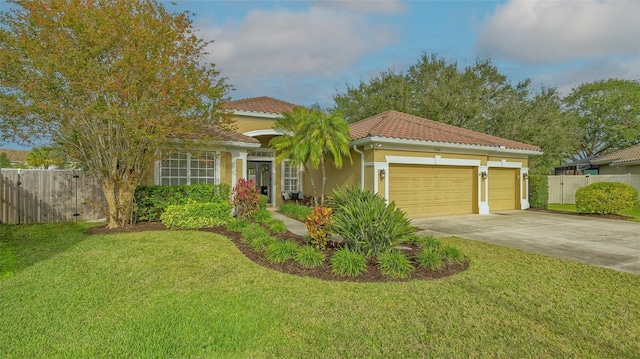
(152, 201)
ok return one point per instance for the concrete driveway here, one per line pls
(603, 242)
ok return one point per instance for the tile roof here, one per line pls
(625, 155)
(262, 104)
(226, 135)
(398, 125)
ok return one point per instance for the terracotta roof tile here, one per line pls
(262, 104)
(398, 125)
(221, 134)
(629, 154)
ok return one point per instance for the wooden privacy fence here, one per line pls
(562, 189)
(42, 196)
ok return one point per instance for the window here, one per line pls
(290, 177)
(182, 167)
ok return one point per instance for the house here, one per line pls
(579, 167)
(426, 167)
(16, 157)
(626, 160)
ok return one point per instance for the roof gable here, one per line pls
(402, 126)
(261, 104)
(623, 156)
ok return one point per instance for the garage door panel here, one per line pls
(432, 190)
(503, 189)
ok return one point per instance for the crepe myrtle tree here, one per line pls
(109, 81)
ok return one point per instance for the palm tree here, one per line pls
(308, 137)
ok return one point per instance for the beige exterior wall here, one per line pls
(225, 168)
(616, 170)
(246, 124)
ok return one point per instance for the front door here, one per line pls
(261, 173)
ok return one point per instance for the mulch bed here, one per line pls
(322, 272)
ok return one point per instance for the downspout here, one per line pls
(355, 148)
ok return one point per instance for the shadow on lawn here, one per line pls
(22, 246)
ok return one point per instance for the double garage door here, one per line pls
(443, 190)
(433, 190)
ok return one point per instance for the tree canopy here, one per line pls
(606, 114)
(110, 81)
(477, 97)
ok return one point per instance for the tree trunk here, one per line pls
(109, 190)
(324, 180)
(307, 170)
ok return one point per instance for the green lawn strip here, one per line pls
(192, 294)
(635, 212)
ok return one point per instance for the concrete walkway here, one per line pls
(603, 242)
(293, 225)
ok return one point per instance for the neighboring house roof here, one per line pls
(625, 156)
(402, 126)
(261, 104)
(16, 156)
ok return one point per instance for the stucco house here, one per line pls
(626, 160)
(426, 167)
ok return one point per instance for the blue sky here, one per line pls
(307, 51)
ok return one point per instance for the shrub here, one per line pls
(429, 258)
(296, 211)
(277, 226)
(394, 264)
(606, 197)
(538, 191)
(348, 262)
(261, 243)
(424, 241)
(451, 254)
(151, 201)
(256, 236)
(245, 198)
(261, 216)
(280, 251)
(262, 201)
(309, 257)
(196, 215)
(318, 226)
(367, 223)
(237, 224)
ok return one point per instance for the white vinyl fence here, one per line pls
(562, 189)
(43, 196)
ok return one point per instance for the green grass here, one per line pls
(635, 212)
(182, 294)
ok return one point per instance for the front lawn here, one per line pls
(179, 294)
(634, 213)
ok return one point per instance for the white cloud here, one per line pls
(286, 45)
(547, 31)
(369, 6)
(567, 78)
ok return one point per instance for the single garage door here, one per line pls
(503, 189)
(433, 190)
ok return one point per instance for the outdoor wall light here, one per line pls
(483, 175)
(383, 174)
(525, 175)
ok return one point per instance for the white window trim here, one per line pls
(282, 177)
(216, 170)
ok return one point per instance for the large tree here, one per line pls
(477, 97)
(110, 81)
(310, 137)
(607, 115)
